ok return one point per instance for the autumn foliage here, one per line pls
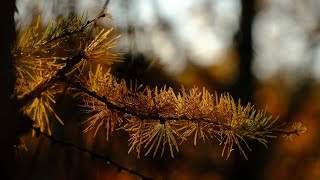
(73, 55)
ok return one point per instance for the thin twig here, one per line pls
(91, 153)
(77, 31)
(106, 4)
(285, 132)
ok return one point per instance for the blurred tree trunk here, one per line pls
(243, 86)
(243, 89)
(7, 79)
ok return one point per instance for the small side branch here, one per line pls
(47, 83)
(288, 133)
(83, 27)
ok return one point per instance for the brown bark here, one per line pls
(8, 136)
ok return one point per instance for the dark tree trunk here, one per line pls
(243, 89)
(8, 111)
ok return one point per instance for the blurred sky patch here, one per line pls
(201, 31)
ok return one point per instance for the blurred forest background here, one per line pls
(266, 52)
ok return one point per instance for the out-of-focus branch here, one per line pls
(91, 153)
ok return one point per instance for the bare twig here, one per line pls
(91, 153)
(77, 31)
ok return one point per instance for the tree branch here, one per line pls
(47, 83)
(124, 110)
